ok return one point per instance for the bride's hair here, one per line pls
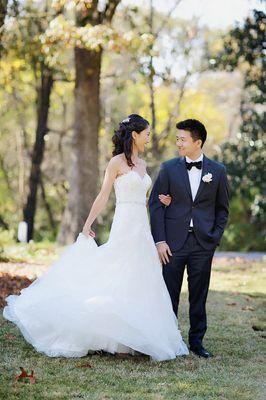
(122, 138)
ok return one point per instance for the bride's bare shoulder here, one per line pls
(116, 163)
(116, 160)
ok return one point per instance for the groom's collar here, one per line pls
(205, 160)
(200, 158)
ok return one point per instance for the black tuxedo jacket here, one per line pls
(209, 209)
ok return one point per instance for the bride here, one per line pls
(112, 297)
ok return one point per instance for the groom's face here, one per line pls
(186, 145)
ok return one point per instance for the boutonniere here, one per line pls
(207, 177)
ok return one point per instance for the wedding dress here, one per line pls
(110, 297)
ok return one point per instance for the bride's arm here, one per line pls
(102, 198)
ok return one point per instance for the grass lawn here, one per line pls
(236, 335)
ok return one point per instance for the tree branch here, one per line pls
(156, 34)
(176, 109)
(109, 11)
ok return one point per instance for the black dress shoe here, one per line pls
(201, 352)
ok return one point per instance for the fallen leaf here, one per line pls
(8, 336)
(11, 285)
(23, 375)
(87, 365)
(32, 377)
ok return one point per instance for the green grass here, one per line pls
(235, 306)
(40, 252)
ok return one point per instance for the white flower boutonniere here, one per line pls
(207, 177)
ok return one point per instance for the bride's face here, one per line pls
(142, 138)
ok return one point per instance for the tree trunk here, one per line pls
(38, 150)
(3, 11)
(84, 172)
(47, 206)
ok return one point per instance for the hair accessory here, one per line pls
(126, 120)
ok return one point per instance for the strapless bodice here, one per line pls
(132, 188)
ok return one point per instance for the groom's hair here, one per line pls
(196, 129)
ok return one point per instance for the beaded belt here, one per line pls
(131, 202)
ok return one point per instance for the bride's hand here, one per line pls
(87, 231)
(165, 199)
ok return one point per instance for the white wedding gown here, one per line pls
(112, 297)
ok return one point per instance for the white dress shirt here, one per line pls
(194, 178)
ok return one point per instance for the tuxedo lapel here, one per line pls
(184, 176)
(206, 167)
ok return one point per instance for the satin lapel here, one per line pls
(206, 167)
(184, 175)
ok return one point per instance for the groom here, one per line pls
(187, 232)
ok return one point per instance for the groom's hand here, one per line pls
(164, 252)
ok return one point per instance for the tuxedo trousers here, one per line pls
(198, 262)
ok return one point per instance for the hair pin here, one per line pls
(126, 120)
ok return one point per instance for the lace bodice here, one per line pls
(132, 188)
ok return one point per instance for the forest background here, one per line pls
(71, 70)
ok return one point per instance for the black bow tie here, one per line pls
(197, 164)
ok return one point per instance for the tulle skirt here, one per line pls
(110, 297)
